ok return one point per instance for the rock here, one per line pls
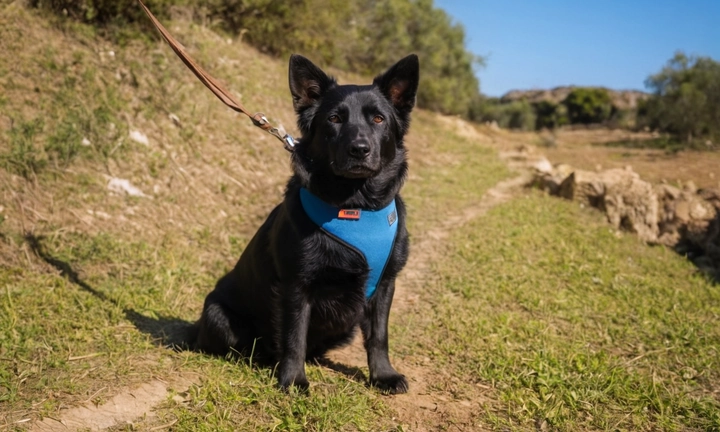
(711, 195)
(629, 203)
(543, 165)
(175, 119)
(633, 208)
(685, 215)
(665, 191)
(690, 187)
(668, 224)
(123, 186)
(585, 187)
(139, 137)
(588, 187)
(551, 181)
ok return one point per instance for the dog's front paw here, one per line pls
(302, 385)
(391, 384)
(299, 381)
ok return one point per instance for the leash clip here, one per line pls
(289, 142)
(263, 123)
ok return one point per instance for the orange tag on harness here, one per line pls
(349, 214)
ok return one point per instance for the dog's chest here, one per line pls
(369, 234)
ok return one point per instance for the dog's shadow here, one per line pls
(351, 372)
(170, 332)
(165, 331)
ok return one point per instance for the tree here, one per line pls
(686, 98)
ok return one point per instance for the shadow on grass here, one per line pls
(353, 373)
(165, 331)
(707, 264)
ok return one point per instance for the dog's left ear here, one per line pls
(399, 84)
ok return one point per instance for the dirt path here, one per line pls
(122, 409)
(421, 408)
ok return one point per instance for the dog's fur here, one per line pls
(297, 292)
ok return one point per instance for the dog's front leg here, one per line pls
(295, 322)
(375, 334)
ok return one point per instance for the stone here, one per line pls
(632, 204)
(585, 187)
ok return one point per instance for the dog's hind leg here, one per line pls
(375, 335)
(219, 331)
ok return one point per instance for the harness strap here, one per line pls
(258, 119)
(370, 232)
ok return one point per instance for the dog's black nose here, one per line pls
(359, 149)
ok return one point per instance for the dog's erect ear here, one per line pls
(307, 82)
(399, 84)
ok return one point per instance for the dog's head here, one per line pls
(351, 131)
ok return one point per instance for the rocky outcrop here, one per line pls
(685, 219)
(621, 99)
(629, 202)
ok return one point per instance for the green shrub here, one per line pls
(107, 11)
(550, 115)
(518, 115)
(588, 105)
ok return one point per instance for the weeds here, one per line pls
(25, 155)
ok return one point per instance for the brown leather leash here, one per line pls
(258, 119)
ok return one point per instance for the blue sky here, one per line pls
(611, 43)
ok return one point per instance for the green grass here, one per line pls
(450, 172)
(70, 113)
(574, 327)
(113, 304)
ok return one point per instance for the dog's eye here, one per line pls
(334, 119)
(378, 119)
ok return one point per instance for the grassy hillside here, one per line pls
(532, 316)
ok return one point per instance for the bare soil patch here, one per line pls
(122, 409)
(585, 150)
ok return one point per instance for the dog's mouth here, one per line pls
(356, 171)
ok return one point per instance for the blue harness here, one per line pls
(371, 232)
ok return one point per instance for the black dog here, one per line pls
(301, 288)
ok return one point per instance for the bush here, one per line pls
(104, 12)
(550, 115)
(588, 105)
(518, 115)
